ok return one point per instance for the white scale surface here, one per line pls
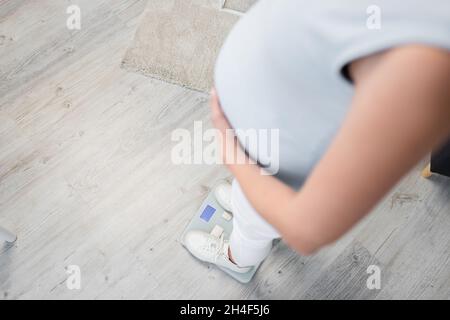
(206, 218)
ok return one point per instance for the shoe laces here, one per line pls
(212, 248)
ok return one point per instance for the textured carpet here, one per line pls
(178, 40)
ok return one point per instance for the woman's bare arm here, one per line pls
(401, 109)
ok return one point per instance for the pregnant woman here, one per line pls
(358, 101)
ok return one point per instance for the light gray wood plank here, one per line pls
(347, 277)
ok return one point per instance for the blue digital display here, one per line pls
(207, 213)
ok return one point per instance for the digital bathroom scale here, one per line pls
(209, 215)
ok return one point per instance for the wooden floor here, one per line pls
(86, 179)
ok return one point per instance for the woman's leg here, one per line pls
(251, 239)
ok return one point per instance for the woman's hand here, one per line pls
(231, 149)
(217, 116)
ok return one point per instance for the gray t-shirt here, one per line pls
(282, 66)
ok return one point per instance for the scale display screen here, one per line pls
(207, 213)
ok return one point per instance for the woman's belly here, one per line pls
(259, 91)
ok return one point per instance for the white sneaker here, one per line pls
(208, 248)
(223, 195)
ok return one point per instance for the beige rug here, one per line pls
(178, 40)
